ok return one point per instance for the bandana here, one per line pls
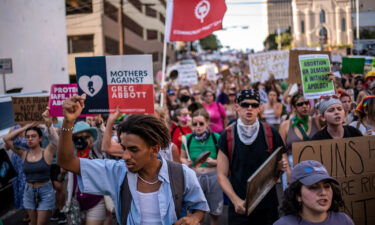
(248, 94)
(202, 137)
(323, 105)
(303, 121)
(247, 133)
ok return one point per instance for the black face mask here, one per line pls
(184, 98)
(80, 143)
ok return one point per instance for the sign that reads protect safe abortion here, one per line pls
(314, 69)
(59, 93)
(111, 81)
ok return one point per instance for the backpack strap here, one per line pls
(188, 142)
(358, 124)
(230, 140)
(268, 136)
(177, 183)
(126, 199)
(214, 139)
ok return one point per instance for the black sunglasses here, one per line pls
(247, 104)
(76, 138)
(299, 104)
(196, 124)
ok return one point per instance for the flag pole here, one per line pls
(163, 72)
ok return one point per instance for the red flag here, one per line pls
(190, 20)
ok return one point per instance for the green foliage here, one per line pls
(272, 41)
(210, 43)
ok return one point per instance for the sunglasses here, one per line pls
(247, 104)
(76, 138)
(299, 104)
(196, 124)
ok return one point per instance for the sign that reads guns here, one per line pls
(111, 81)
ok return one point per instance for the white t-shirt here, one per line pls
(149, 206)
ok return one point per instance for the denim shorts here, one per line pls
(39, 198)
(212, 191)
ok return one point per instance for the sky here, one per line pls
(251, 14)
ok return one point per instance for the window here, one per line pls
(111, 46)
(155, 57)
(137, 4)
(161, 37)
(80, 43)
(110, 10)
(161, 18)
(322, 16)
(150, 12)
(343, 24)
(132, 51)
(302, 26)
(78, 6)
(152, 34)
(133, 26)
(163, 3)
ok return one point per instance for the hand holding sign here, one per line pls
(73, 106)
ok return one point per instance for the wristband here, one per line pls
(67, 129)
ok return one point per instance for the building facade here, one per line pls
(366, 14)
(317, 21)
(93, 29)
(279, 15)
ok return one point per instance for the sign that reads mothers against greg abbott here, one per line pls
(111, 81)
(351, 162)
(314, 70)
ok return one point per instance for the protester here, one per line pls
(140, 186)
(313, 197)
(39, 196)
(215, 110)
(172, 103)
(197, 143)
(272, 110)
(358, 86)
(229, 108)
(184, 96)
(180, 126)
(366, 116)
(369, 79)
(332, 112)
(243, 147)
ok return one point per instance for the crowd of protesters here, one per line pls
(193, 156)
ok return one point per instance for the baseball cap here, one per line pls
(310, 172)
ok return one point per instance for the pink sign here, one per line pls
(58, 94)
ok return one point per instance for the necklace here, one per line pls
(147, 182)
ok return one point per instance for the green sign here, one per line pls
(314, 69)
(373, 65)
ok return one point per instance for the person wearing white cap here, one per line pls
(313, 198)
(333, 113)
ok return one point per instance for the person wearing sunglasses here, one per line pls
(195, 145)
(366, 116)
(333, 114)
(243, 148)
(313, 197)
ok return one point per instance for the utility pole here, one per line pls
(357, 17)
(121, 28)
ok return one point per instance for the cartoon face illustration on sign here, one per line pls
(90, 85)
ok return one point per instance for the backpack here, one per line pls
(190, 138)
(268, 136)
(177, 183)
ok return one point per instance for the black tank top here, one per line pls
(36, 171)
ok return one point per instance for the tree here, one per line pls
(210, 43)
(272, 41)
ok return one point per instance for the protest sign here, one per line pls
(29, 109)
(211, 72)
(262, 181)
(294, 70)
(58, 94)
(314, 70)
(353, 65)
(373, 65)
(187, 74)
(351, 162)
(262, 65)
(110, 81)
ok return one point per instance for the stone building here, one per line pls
(279, 15)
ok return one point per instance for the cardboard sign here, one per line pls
(110, 81)
(29, 109)
(262, 181)
(352, 162)
(187, 75)
(314, 69)
(262, 65)
(58, 94)
(294, 69)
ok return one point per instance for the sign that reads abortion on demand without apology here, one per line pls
(314, 70)
(111, 81)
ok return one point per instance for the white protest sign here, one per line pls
(187, 74)
(266, 63)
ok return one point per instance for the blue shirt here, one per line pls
(105, 177)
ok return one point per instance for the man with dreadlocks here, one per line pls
(145, 188)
